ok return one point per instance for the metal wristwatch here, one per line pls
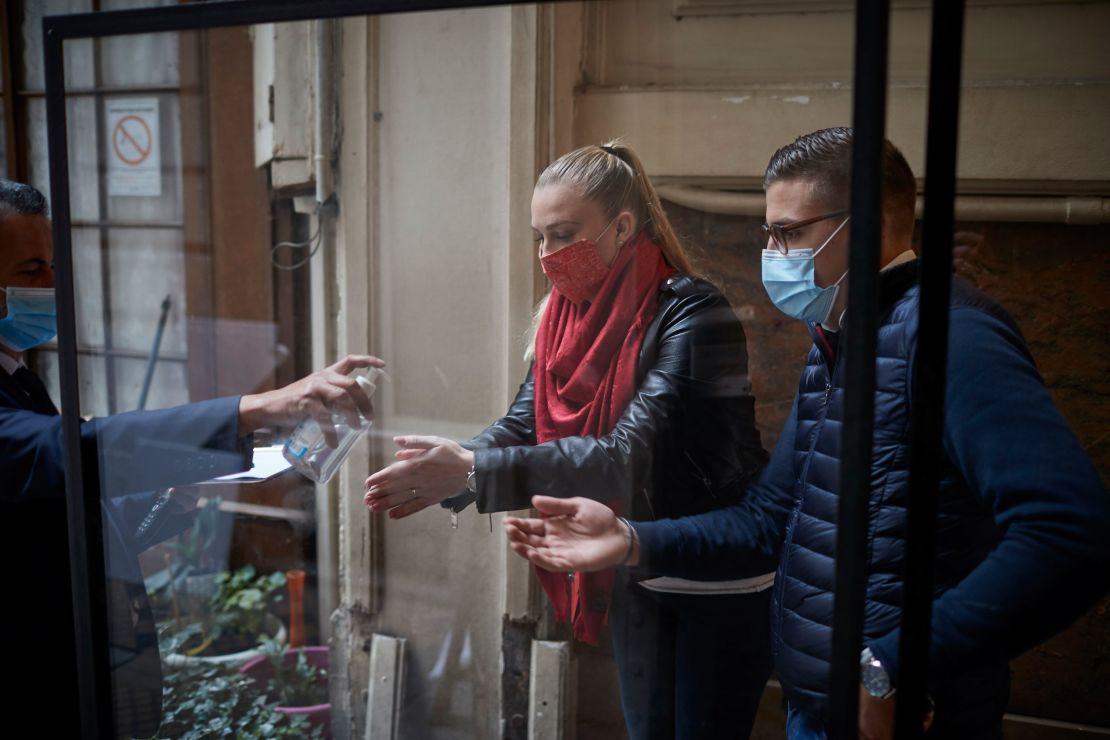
(472, 487)
(873, 677)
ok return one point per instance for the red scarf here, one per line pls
(585, 376)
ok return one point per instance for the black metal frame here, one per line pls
(930, 365)
(858, 346)
(931, 361)
(869, 111)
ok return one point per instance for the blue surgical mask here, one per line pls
(789, 280)
(32, 318)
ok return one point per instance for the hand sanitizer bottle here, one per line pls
(307, 450)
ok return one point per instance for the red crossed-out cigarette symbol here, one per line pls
(132, 140)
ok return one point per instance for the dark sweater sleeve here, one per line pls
(1012, 446)
(737, 541)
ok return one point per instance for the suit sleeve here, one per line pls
(126, 453)
(1014, 449)
(129, 512)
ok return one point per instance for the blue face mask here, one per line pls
(789, 280)
(31, 320)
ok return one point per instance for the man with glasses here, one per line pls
(1023, 520)
(126, 457)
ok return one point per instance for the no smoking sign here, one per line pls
(134, 154)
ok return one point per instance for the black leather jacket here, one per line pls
(686, 443)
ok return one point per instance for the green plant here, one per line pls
(298, 685)
(233, 617)
(193, 551)
(211, 701)
(242, 599)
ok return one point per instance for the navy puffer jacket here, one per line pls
(802, 616)
(1023, 528)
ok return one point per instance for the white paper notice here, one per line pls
(268, 462)
(134, 153)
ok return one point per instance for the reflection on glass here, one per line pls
(246, 598)
(79, 67)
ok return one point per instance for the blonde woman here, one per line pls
(637, 397)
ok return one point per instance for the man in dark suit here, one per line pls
(129, 457)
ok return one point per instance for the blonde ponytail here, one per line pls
(653, 216)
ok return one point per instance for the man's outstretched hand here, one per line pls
(319, 395)
(574, 534)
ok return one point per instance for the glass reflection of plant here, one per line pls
(232, 619)
(192, 554)
(193, 549)
(209, 701)
(295, 683)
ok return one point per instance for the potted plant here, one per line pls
(210, 700)
(229, 624)
(296, 679)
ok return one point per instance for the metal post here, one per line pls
(86, 550)
(858, 342)
(152, 360)
(930, 365)
(103, 229)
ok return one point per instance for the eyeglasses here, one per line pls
(778, 232)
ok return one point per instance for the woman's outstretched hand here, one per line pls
(429, 469)
(577, 534)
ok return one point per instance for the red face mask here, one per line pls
(576, 270)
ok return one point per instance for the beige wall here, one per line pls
(435, 274)
(716, 96)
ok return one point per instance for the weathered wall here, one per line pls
(443, 230)
(713, 97)
(435, 269)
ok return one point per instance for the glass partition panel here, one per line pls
(215, 268)
(181, 303)
(252, 205)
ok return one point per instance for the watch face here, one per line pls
(874, 679)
